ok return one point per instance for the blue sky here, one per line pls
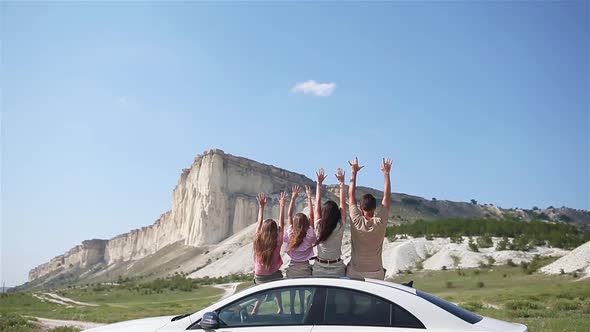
(103, 104)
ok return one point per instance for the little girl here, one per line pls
(300, 238)
(267, 247)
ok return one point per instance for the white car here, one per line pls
(322, 305)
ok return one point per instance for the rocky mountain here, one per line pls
(214, 200)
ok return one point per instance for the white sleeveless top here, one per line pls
(331, 248)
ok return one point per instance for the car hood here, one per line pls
(492, 324)
(144, 325)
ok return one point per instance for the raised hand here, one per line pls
(321, 175)
(295, 191)
(283, 199)
(261, 199)
(354, 166)
(340, 175)
(386, 166)
(308, 191)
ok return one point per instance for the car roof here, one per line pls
(336, 281)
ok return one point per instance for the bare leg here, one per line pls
(301, 300)
(256, 306)
(279, 302)
(292, 296)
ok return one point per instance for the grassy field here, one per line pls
(114, 304)
(543, 303)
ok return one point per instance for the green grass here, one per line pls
(114, 304)
(543, 303)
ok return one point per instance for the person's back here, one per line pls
(329, 225)
(367, 237)
(367, 228)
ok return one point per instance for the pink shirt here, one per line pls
(305, 250)
(277, 261)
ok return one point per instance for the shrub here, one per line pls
(456, 260)
(456, 238)
(449, 284)
(480, 284)
(472, 306)
(484, 241)
(491, 260)
(565, 305)
(15, 322)
(522, 304)
(503, 244)
(444, 267)
(419, 265)
(472, 246)
(429, 237)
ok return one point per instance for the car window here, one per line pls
(284, 306)
(354, 308)
(465, 315)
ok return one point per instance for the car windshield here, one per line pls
(465, 315)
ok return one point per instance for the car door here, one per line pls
(352, 310)
(260, 311)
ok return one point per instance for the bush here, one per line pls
(472, 306)
(472, 246)
(419, 265)
(449, 284)
(560, 235)
(522, 304)
(491, 260)
(480, 284)
(444, 267)
(15, 322)
(565, 305)
(429, 237)
(485, 241)
(503, 244)
(456, 260)
(456, 238)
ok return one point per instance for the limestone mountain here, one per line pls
(215, 202)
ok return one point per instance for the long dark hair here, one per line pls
(300, 227)
(265, 242)
(327, 223)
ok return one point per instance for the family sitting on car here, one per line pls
(323, 229)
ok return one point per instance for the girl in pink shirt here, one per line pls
(300, 239)
(268, 240)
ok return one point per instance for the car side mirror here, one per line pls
(210, 320)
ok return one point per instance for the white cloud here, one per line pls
(315, 88)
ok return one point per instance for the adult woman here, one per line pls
(329, 224)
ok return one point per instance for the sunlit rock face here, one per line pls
(214, 198)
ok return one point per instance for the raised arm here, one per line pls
(261, 203)
(354, 169)
(318, 193)
(282, 203)
(386, 169)
(294, 195)
(309, 205)
(340, 176)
